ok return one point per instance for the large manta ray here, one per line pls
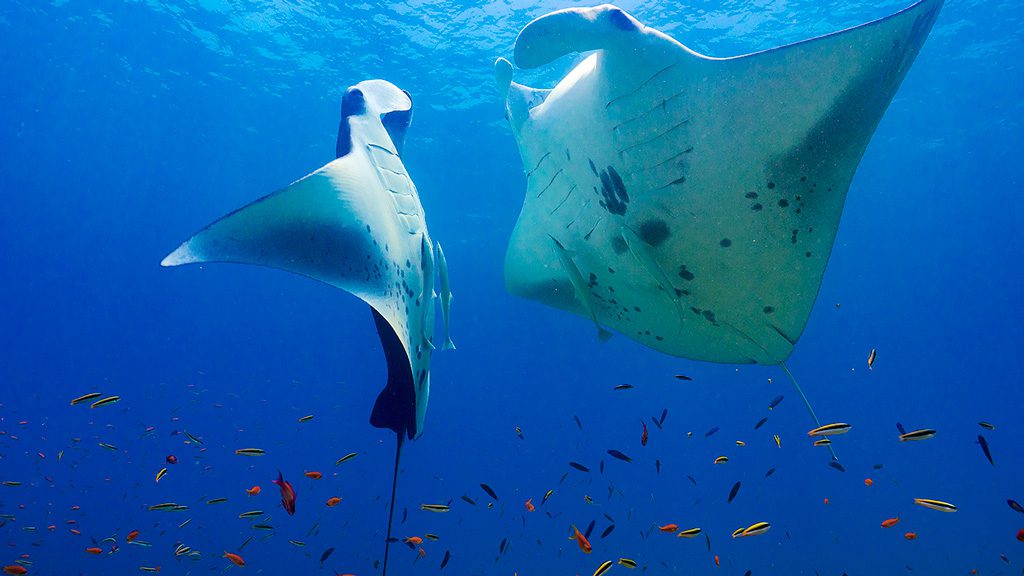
(689, 202)
(356, 224)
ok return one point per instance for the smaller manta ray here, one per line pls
(689, 202)
(358, 225)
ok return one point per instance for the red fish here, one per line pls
(132, 535)
(643, 437)
(287, 494)
(15, 569)
(889, 523)
(581, 540)
(1020, 535)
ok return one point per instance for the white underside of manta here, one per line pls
(691, 203)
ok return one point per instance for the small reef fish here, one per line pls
(346, 458)
(85, 398)
(287, 493)
(235, 559)
(871, 359)
(935, 504)
(529, 505)
(831, 429)
(581, 540)
(689, 533)
(333, 501)
(890, 522)
(628, 563)
(669, 527)
(314, 475)
(105, 401)
(250, 452)
(753, 530)
(254, 491)
(984, 448)
(434, 507)
(603, 568)
(922, 434)
(161, 474)
(306, 418)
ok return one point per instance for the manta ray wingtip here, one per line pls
(182, 255)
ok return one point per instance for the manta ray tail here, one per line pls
(807, 403)
(391, 508)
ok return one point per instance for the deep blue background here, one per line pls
(124, 127)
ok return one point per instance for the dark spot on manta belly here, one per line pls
(771, 185)
(756, 207)
(654, 232)
(619, 244)
(684, 273)
(750, 195)
(783, 203)
(725, 243)
(768, 309)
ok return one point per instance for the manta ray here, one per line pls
(358, 225)
(690, 202)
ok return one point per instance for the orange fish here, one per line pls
(717, 562)
(314, 475)
(889, 523)
(1020, 535)
(234, 558)
(52, 527)
(132, 535)
(643, 436)
(255, 490)
(15, 569)
(75, 532)
(868, 481)
(94, 550)
(287, 493)
(333, 501)
(669, 527)
(910, 535)
(413, 540)
(423, 553)
(529, 505)
(826, 501)
(581, 540)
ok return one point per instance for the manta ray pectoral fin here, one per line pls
(446, 296)
(580, 287)
(314, 227)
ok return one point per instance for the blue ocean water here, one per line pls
(126, 126)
